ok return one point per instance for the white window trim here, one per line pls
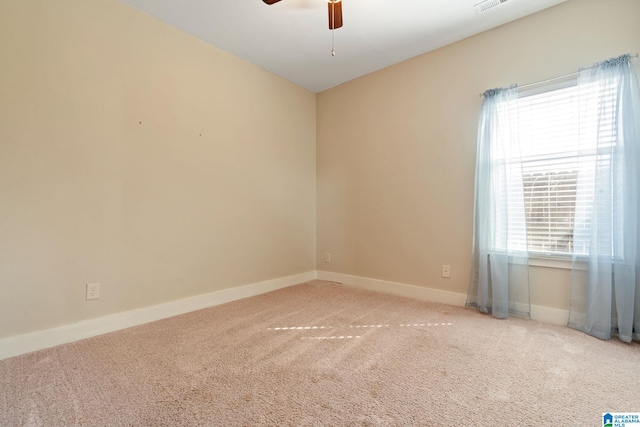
(549, 261)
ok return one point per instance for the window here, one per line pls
(554, 126)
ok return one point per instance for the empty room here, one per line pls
(319, 213)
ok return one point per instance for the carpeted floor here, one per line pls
(322, 354)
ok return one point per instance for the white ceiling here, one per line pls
(292, 39)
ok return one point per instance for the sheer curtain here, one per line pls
(499, 282)
(605, 291)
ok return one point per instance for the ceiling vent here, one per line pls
(488, 4)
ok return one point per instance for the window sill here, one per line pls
(538, 259)
(564, 263)
(550, 262)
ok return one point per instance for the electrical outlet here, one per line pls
(93, 291)
(446, 271)
(327, 257)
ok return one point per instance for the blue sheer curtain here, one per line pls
(499, 282)
(605, 291)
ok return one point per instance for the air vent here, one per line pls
(488, 4)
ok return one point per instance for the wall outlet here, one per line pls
(446, 271)
(93, 291)
(327, 257)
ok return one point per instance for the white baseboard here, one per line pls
(540, 313)
(25, 343)
(400, 289)
(550, 315)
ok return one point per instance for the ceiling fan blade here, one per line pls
(271, 1)
(335, 14)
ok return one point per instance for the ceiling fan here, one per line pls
(335, 12)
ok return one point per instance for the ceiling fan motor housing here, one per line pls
(335, 14)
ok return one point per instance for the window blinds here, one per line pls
(553, 128)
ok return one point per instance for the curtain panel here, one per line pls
(499, 282)
(605, 290)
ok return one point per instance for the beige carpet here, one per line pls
(321, 354)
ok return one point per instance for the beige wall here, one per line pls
(396, 148)
(136, 156)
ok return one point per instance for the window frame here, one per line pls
(548, 259)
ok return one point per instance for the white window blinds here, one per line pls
(553, 128)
